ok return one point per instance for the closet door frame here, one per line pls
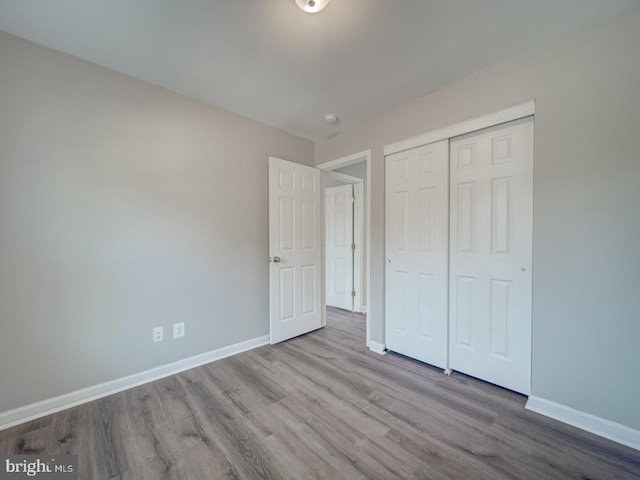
(515, 112)
(509, 114)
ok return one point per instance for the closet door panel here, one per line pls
(416, 216)
(491, 254)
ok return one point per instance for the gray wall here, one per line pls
(122, 207)
(358, 170)
(586, 322)
(331, 182)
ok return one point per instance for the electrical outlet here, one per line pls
(158, 334)
(178, 330)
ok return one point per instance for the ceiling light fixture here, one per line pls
(312, 6)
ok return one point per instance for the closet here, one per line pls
(458, 233)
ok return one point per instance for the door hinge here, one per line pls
(353, 199)
(353, 246)
(353, 293)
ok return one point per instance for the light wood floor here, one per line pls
(319, 406)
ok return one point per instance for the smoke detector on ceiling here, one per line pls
(331, 119)
(312, 6)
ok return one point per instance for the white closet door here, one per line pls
(416, 246)
(491, 254)
(338, 246)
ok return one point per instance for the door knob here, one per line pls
(277, 259)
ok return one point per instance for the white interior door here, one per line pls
(417, 217)
(491, 254)
(295, 255)
(338, 247)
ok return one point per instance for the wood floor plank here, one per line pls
(232, 434)
(111, 424)
(195, 440)
(294, 442)
(320, 406)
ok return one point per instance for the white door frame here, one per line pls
(327, 167)
(358, 236)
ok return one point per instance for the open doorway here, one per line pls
(346, 252)
(345, 281)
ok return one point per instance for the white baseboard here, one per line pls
(377, 347)
(585, 421)
(52, 405)
(364, 309)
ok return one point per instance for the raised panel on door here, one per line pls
(294, 249)
(491, 254)
(338, 251)
(416, 244)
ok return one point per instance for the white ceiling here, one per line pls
(269, 61)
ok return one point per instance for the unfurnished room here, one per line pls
(319, 239)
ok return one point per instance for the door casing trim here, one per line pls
(365, 156)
